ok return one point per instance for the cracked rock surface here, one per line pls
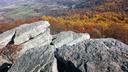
(31, 48)
(98, 55)
(95, 55)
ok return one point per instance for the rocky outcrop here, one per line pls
(37, 34)
(39, 51)
(29, 31)
(26, 37)
(23, 33)
(94, 55)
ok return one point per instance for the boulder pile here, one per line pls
(39, 51)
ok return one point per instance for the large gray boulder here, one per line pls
(38, 59)
(6, 37)
(98, 55)
(93, 55)
(28, 31)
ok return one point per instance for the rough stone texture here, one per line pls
(28, 31)
(62, 39)
(23, 38)
(23, 33)
(63, 52)
(6, 37)
(41, 40)
(93, 55)
(99, 55)
(35, 60)
(69, 38)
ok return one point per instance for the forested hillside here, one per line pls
(100, 18)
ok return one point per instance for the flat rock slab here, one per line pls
(41, 40)
(62, 39)
(69, 38)
(28, 31)
(6, 37)
(78, 37)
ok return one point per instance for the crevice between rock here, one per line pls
(12, 40)
(65, 66)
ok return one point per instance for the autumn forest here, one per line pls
(102, 22)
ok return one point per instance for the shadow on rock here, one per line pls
(65, 66)
(5, 67)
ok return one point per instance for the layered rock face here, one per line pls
(68, 38)
(23, 37)
(64, 52)
(28, 31)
